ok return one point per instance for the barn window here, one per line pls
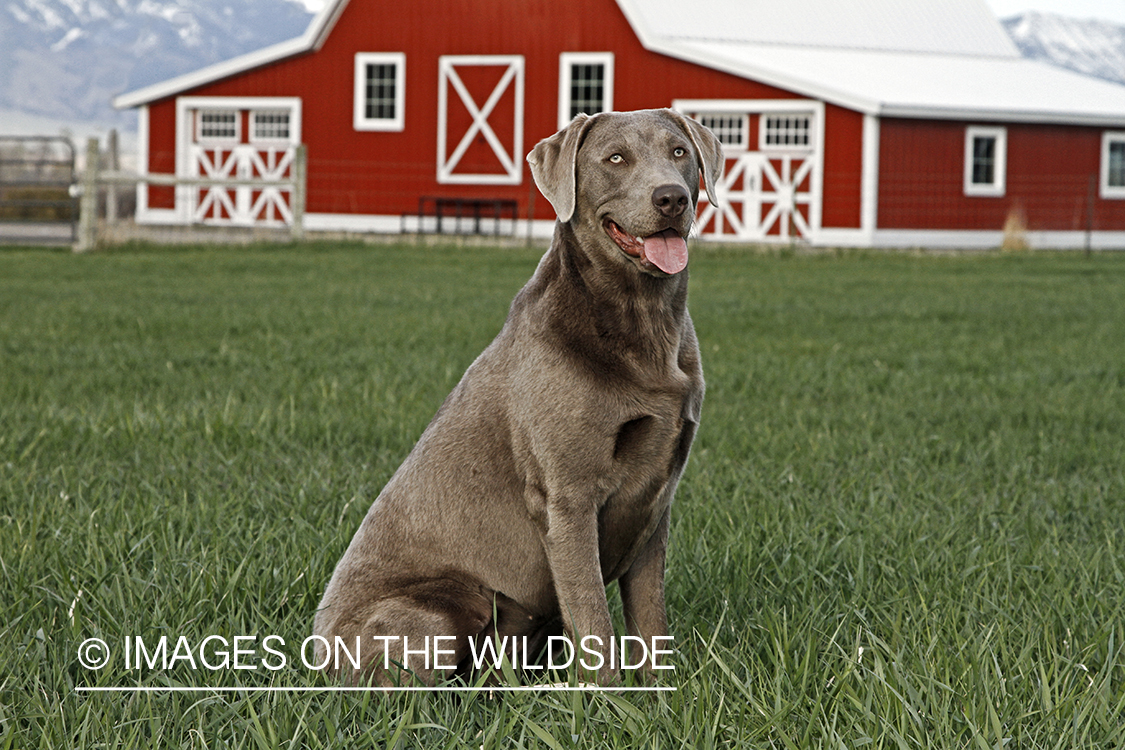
(587, 89)
(380, 84)
(1113, 165)
(218, 125)
(271, 126)
(731, 130)
(786, 131)
(585, 84)
(986, 154)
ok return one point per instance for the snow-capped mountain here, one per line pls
(1093, 47)
(62, 61)
(65, 59)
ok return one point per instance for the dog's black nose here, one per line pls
(670, 200)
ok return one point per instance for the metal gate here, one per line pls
(38, 204)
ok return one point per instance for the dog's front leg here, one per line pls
(572, 552)
(642, 596)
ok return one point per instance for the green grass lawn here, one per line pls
(901, 525)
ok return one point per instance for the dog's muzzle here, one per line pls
(665, 250)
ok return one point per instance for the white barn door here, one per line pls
(237, 138)
(771, 186)
(761, 196)
(480, 119)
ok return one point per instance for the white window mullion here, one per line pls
(269, 125)
(1113, 165)
(986, 161)
(785, 131)
(732, 129)
(218, 126)
(379, 91)
(585, 84)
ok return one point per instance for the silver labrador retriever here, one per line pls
(549, 470)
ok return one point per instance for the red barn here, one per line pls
(847, 122)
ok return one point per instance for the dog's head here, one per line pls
(629, 181)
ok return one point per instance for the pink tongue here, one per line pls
(667, 251)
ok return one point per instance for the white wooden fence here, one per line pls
(93, 177)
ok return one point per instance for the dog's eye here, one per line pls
(617, 159)
(678, 152)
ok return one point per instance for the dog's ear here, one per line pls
(709, 151)
(552, 165)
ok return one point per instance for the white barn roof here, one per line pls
(963, 27)
(943, 59)
(946, 59)
(313, 39)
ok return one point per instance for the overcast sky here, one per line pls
(1108, 10)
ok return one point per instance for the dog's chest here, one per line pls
(649, 454)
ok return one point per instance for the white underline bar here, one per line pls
(346, 689)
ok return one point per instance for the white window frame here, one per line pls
(236, 138)
(743, 126)
(360, 120)
(255, 138)
(1110, 191)
(762, 132)
(568, 59)
(998, 186)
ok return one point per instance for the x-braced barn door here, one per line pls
(761, 196)
(770, 188)
(237, 138)
(480, 119)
